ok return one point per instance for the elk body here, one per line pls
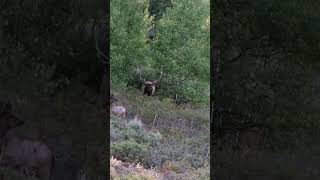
(149, 87)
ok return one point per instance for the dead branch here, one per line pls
(154, 120)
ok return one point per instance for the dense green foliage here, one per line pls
(128, 47)
(158, 7)
(180, 50)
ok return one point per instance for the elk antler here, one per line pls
(140, 76)
(159, 78)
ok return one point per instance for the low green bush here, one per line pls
(130, 141)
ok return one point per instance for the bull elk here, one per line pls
(149, 87)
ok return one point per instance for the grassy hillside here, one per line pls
(159, 134)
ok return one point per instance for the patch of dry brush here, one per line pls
(119, 169)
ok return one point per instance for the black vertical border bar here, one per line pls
(108, 89)
(212, 13)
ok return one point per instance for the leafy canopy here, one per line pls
(180, 50)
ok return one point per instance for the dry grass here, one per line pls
(119, 169)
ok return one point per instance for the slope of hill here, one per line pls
(158, 139)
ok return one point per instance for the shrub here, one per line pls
(130, 141)
(133, 177)
(191, 151)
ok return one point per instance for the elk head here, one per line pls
(149, 87)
